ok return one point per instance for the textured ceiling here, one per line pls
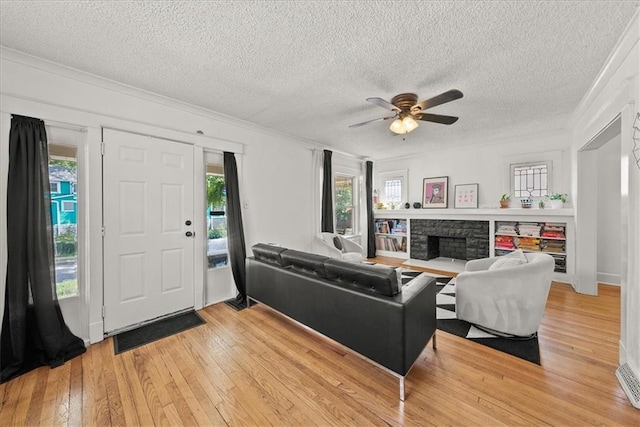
(306, 67)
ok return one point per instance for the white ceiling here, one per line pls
(306, 67)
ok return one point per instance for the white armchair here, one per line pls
(327, 244)
(509, 300)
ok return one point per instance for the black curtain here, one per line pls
(235, 230)
(371, 236)
(327, 199)
(33, 330)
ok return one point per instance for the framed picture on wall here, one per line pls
(466, 196)
(434, 192)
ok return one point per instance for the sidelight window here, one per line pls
(217, 253)
(63, 176)
(346, 196)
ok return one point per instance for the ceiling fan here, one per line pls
(407, 110)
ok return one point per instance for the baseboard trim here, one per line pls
(96, 332)
(609, 279)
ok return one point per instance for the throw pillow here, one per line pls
(513, 259)
(338, 243)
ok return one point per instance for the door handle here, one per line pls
(189, 234)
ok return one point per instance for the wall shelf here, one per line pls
(392, 237)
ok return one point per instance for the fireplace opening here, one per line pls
(446, 247)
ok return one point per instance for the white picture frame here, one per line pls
(466, 196)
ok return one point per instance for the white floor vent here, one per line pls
(629, 383)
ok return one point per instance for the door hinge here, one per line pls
(102, 148)
(103, 311)
(102, 230)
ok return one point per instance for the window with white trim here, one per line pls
(346, 204)
(63, 161)
(393, 190)
(530, 179)
(393, 187)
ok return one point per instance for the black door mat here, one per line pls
(154, 331)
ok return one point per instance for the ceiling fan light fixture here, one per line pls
(398, 127)
(409, 124)
(403, 125)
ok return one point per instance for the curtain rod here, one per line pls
(342, 153)
(63, 125)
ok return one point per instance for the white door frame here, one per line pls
(620, 105)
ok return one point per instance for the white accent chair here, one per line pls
(351, 251)
(508, 300)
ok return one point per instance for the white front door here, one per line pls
(148, 228)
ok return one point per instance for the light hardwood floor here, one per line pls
(255, 367)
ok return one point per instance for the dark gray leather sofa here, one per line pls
(357, 305)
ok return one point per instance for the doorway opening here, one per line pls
(599, 196)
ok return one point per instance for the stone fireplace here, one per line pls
(458, 239)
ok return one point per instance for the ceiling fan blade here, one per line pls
(436, 118)
(447, 96)
(384, 104)
(370, 121)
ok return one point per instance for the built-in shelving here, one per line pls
(559, 246)
(391, 236)
(547, 237)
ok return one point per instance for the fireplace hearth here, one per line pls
(458, 239)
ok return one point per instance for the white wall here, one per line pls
(609, 264)
(486, 164)
(615, 94)
(274, 169)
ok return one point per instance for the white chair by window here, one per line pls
(336, 246)
(506, 295)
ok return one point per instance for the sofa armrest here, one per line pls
(419, 302)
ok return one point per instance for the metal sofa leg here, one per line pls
(402, 389)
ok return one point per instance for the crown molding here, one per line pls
(45, 65)
(623, 48)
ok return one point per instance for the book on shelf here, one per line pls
(392, 244)
(391, 226)
(529, 229)
(504, 242)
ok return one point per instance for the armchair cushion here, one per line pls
(513, 259)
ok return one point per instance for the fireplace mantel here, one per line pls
(489, 214)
